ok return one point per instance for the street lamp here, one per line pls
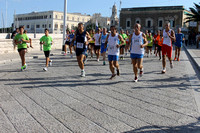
(64, 26)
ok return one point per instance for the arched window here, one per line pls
(128, 23)
(138, 21)
(149, 23)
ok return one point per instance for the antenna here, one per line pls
(6, 14)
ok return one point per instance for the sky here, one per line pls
(82, 6)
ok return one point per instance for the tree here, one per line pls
(195, 14)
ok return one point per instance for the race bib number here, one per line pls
(79, 45)
(71, 39)
(111, 47)
(103, 41)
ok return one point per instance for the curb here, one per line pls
(191, 55)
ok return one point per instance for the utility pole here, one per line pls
(119, 14)
(64, 21)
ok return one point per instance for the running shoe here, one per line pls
(104, 63)
(25, 66)
(164, 70)
(97, 60)
(141, 72)
(171, 65)
(82, 73)
(136, 79)
(174, 58)
(22, 68)
(45, 68)
(118, 73)
(178, 59)
(50, 63)
(113, 76)
(65, 54)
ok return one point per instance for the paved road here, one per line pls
(60, 101)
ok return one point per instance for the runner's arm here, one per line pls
(145, 41)
(129, 42)
(100, 39)
(121, 39)
(172, 36)
(105, 45)
(88, 38)
(73, 39)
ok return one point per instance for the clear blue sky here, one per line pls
(82, 6)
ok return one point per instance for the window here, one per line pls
(49, 16)
(27, 27)
(61, 26)
(61, 17)
(160, 23)
(49, 25)
(72, 18)
(44, 26)
(83, 20)
(56, 16)
(172, 23)
(148, 23)
(56, 26)
(67, 18)
(78, 19)
(128, 23)
(37, 26)
(138, 20)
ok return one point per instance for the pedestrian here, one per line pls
(150, 44)
(124, 36)
(67, 42)
(21, 41)
(97, 44)
(137, 41)
(178, 44)
(112, 42)
(47, 42)
(168, 37)
(92, 42)
(82, 39)
(102, 39)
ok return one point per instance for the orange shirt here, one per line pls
(159, 40)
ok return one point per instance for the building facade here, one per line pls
(53, 20)
(153, 18)
(114, 19)
(102, 21)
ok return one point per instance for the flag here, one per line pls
(97, 25)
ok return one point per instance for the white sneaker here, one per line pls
(82, 73)
(97, 60)
(164, 70)
(45, 68)
(50, 63)
(171, 65)
(136, 79)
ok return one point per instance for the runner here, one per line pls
(124, 36)
(137, 41)
(155, 44)
(168, 37)
(97, 44)
(103, 49)
(20, 40)
(13, 37)
(150, 44)
(71, 36)
(127, 40)
(82, 39)
(178, 44)
(159, 42)
(67, 42)
(91, 45)
(46, 41)
(112, 41)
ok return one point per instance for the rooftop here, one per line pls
(159, 8)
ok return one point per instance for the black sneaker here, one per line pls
(112, 77)
(118, 73)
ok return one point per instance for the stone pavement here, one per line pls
(60, 101)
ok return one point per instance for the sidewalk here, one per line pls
(194, 53)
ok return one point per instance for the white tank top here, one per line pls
(97, 39)
(137, 41)
(112, 45)
(166, 39)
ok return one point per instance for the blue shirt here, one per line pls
(179, 39)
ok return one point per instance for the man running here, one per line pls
(159, 42)
(178, 44)
(150, 44)
(71, 36)
(168, 37)
(97, 44)
(103, 48)
(92, 42)
(127, 41)
(82, 39)
(138, 41)
(124, 36)
(112, 41)
(67, 42)
(46, 41)
(20, 40)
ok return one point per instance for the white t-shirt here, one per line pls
(137, 41)
(97, 36)
(166, 39)
(112, 45)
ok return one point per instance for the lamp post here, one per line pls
(64, 21)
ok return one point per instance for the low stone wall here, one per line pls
(6, 45)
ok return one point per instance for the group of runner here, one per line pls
(137, 43)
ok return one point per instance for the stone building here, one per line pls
(53, 20)
(102, 21)
(114, 19)
(153, 18)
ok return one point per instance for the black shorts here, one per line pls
(156, 45)
(47, 53)
(159, 48)
(67, 43)
(92, 44)
(123, 46)
(149, 46)
(81, 52)
(19, 50)
(97, 47)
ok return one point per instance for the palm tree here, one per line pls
(195, 14)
